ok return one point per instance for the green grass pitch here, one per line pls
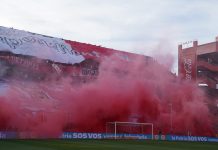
(103, 145)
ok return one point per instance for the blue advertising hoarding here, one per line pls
(82, 135)
(78, 135)
(8, 135)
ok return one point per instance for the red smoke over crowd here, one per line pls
(130, 91)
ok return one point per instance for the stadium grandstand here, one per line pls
(27, 57)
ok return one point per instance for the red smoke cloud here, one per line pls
(122, 90)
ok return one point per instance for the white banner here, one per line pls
(187, 44)
(44, 47)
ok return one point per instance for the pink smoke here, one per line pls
(121, 90)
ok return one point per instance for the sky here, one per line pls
(149, 27)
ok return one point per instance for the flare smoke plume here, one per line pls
(122, 92)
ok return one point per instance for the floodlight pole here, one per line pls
(106, 128)
(115, 131)
(152, 132)
(171, 118)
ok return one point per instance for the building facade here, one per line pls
(199, 64)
